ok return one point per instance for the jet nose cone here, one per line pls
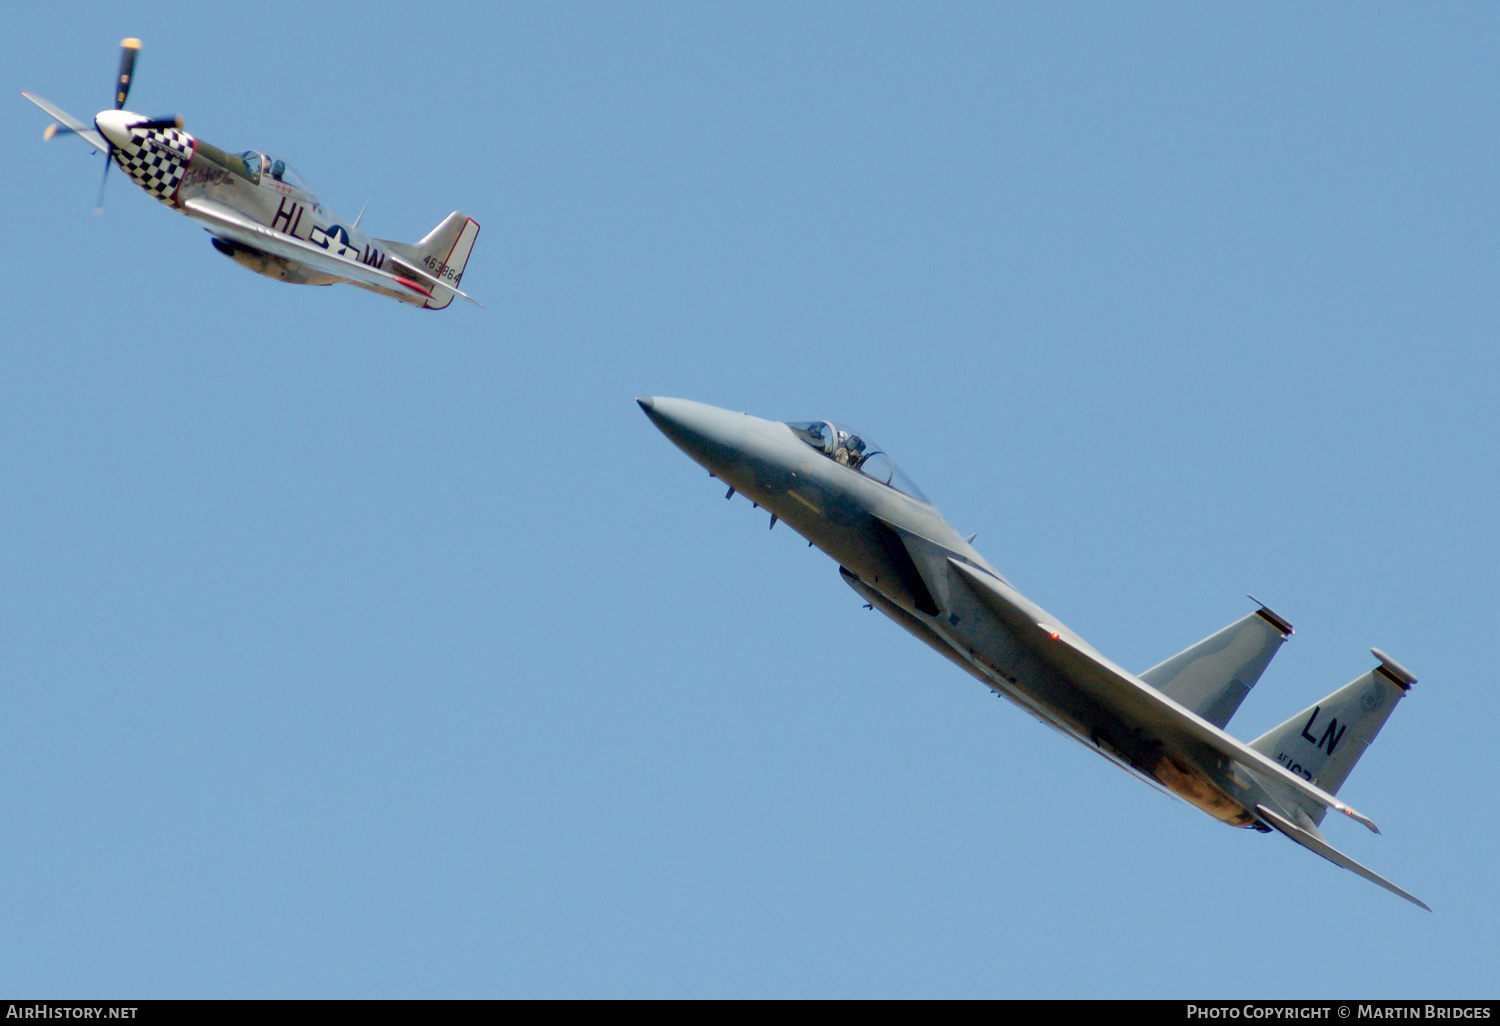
(679, 416)
(114, 125)
(713, 437)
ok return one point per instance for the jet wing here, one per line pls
(228, 223)
(1059, 648)
(1310, 840)
(85, 132)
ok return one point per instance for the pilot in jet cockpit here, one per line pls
(851, 450)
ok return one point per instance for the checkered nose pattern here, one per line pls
(156, 158)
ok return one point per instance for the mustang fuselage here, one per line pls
(175, 167)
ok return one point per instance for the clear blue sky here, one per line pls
(352, 650)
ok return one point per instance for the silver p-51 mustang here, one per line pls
(1166, 725)
(260, 213)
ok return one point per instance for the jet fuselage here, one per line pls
(895, 549)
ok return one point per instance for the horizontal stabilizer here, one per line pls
(87, 133)
(1313, 842)
(1213, 677)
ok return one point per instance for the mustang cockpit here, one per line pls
(851, 449)
(257, 164)
(253, 166)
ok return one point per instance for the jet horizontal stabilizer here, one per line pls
(1313, 842)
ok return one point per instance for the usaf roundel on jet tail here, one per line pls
(260, 213)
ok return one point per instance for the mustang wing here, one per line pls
(228, 223)
(85, 132)
(1142, 704)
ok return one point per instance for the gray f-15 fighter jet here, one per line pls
(845, 495)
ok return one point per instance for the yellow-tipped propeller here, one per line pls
(129, 50)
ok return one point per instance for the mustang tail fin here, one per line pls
(441, 256)
(1322, 743)
(1213, 677)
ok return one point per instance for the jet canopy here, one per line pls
(854, 450)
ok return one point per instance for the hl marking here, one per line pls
(290, 218)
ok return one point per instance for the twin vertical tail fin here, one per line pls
(1322, 743)
(1213, 677)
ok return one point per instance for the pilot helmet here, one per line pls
(859, 451)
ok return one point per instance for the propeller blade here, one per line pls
(128, 50)
(54, 130)
(108, 160)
